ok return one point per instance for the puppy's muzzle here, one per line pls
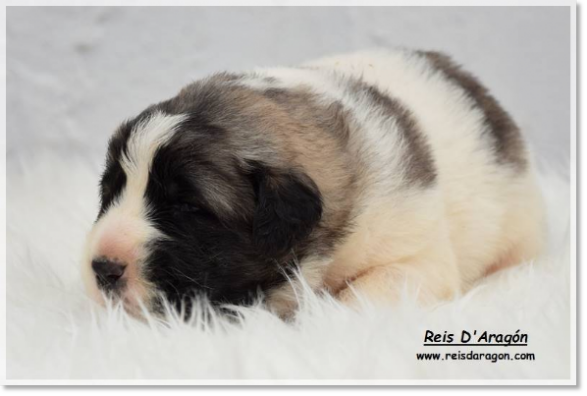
(109, 274)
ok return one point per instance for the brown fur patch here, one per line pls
(507, 139)
(302, 105)
(320, 135)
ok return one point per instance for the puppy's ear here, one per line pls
(288, 207)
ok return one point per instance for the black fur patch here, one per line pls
(228, 258)
(288, 207)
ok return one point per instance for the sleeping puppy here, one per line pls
(363, 173)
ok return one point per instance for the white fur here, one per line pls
(54, 331)
(144, 141)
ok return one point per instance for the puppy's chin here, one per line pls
(136, 304)
(136, 308)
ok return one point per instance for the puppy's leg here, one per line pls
(432, 274)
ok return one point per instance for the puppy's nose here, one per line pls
(108, 273)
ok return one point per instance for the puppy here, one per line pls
(362, 173)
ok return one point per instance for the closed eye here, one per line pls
(190, 209)
(187, 208)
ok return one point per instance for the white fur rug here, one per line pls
(54, 332)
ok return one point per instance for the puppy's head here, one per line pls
(200, 196)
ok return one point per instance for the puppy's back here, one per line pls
(482, 167)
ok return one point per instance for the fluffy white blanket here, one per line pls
(55, 332)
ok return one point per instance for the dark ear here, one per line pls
(288, 207)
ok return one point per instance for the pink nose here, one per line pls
(117, 246)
